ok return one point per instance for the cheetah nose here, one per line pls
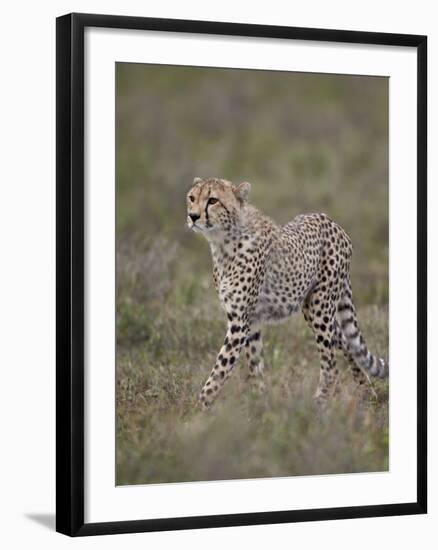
(194, 217)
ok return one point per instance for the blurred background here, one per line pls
(307, 143)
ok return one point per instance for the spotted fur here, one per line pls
(264, 273)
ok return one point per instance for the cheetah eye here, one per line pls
(192, 198)
(212, 200)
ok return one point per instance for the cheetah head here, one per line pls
(214, 205)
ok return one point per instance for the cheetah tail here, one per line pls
(353, 341)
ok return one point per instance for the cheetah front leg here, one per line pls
(237, 333)
(254, 355)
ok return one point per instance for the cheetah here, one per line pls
(264, 273)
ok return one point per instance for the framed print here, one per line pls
(241, 274)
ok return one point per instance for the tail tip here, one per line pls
(384, 368)
(379, 368)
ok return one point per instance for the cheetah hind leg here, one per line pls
(320, 315)
(254, 356)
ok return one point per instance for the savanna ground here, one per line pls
(306, 143)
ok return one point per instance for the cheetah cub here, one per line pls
(264, 273)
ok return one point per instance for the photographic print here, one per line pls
(229, 200)
(252, 274)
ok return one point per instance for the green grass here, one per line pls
(306, 143)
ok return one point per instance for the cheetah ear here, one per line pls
(242, 191)
(197, 180)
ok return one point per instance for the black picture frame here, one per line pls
(70, 272)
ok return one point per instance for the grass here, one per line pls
(162, 437)
(307, 143)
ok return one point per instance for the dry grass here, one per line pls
(162, 437)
